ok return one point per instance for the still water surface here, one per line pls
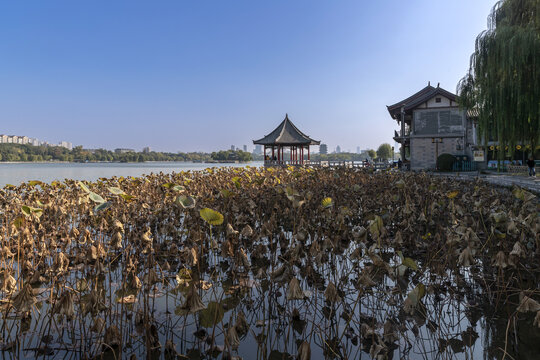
(16, 173)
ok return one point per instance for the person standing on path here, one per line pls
(530, 164)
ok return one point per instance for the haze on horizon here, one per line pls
(205, 75)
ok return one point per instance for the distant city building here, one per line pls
(232, 147)
(258, 150)
(245, 148)
(146, 149)
(323, 149)
(13, 139)
(338, 149)
(66, 145)
(358, 149)
(123, 151)
(24, 140)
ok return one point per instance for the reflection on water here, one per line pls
(15, 173)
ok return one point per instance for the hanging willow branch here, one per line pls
(503, 81)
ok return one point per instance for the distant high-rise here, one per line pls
(323, 149)
(358, 149)
(66, 144)
(245, 148)
(258, 150)
(146, 150)
(232, 147)
(338, 149)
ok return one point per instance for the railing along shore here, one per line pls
(327, 164)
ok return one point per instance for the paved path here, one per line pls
(524, 181)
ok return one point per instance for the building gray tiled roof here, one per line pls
(418, 98)
(286, 134)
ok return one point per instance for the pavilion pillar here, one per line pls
(292, 154)
(308, 152)
(273, 152)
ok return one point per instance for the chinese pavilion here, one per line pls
(286, 135)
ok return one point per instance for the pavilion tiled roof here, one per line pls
(286, 134)
(418, 98)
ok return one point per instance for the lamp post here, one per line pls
(437, 141)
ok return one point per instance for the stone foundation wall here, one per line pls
(423, 152)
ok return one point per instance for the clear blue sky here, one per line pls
(202, 75)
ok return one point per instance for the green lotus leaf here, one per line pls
(211, 216)
(212, 315)
(26, 210)
(96, 198)
(34, 182)
(410, 263)
(187, 202)
(84, 187)
(102, 206)
(116, 191)
(236, 181)
(226, 193)
(127, 197)
(29, 211)
(178, 188)
(417, 294)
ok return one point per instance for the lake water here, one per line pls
(16, 173)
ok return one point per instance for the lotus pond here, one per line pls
(256, 263)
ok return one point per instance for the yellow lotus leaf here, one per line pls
(452, 194)
(326, 202)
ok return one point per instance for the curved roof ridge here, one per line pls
(286, 133)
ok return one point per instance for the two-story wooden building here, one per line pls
(431, 123)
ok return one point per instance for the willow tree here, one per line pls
(503, 82)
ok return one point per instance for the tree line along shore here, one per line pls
(31, 153)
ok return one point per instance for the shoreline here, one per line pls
(126, 162)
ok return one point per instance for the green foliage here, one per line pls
(231, 155)
(372, 154)
(18, 152)
(503, 81)
(445, 162)
(384, 151)
(212, 315)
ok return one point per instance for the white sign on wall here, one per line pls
(478, 155)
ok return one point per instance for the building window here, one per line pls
(437, 100)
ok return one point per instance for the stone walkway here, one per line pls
(527, 182)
